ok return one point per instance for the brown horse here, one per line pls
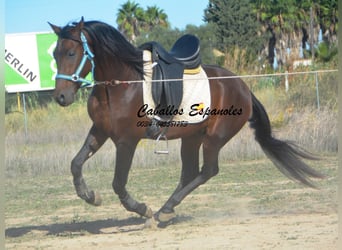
(117, 67)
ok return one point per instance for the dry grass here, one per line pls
(50, 146)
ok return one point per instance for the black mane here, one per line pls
(108, 43)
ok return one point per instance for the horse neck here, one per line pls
(113, 95)
(115, 70)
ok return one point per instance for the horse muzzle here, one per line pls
(65, 96)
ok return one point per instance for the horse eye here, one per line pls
(71, 53)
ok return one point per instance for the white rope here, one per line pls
(117, 82)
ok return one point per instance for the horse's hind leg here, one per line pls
(190, 170)
(93, 142)
(209, 169)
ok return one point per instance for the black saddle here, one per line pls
(185, 54)
(187, 50)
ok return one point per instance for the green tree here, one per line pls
(327, 16)
(129, 19)
(279, 19)
(132, 20)
(235, 24)
(164, 36)
(288, 23)
(155, 17)
(206, 35)
(325, 52)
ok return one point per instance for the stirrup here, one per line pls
(161, 151)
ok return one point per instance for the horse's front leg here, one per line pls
(124, 155)
(93, 142)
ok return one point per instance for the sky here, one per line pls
(33, 15)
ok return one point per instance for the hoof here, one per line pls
(165, 217)
(150, 223)
(97, 199)
(148, 213)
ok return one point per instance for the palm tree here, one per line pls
(132, 19)
(129, 18)
(289, 21)
(155, 17)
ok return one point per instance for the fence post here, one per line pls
(25, 116)
(317, 91)
(18, 102)
(286, 81)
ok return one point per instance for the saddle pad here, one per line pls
(196, 94)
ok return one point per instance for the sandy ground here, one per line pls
(288, 231)
(210, 218)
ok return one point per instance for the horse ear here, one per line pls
(80, 24)
(55, 28)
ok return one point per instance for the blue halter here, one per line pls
(87, 54)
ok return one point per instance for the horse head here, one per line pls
(74, 61)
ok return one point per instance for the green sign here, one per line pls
(29, 63)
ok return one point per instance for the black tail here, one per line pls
(285, 155)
